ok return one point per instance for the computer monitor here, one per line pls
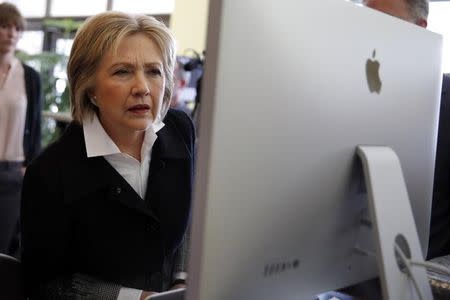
(287, 97)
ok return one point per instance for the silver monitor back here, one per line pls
(285, 102)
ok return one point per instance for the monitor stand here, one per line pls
(393, 222)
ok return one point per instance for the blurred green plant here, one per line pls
(66, 26)
(45, 64)
(54, 100)
(52, 68)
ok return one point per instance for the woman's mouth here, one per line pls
(139, 109)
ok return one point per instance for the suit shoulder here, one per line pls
(63, 149)
(48, 157)
(181, 123)
(180, 119)
(445, 92)
(446, 81)
(178, 116)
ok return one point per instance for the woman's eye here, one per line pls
(154, 72)
(121, 72)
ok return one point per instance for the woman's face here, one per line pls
(129, 86)
(9, 35)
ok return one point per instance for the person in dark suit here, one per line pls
(440, 213)
(20, 124)
(106, 208)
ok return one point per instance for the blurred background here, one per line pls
(51, 26)
(46, 43)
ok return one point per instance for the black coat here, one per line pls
(32, 132)
(80, 216)
(439, 243)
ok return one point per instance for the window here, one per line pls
(155, 7)
(439, 21)
(30, 9)
(77, 8)
(31, 42)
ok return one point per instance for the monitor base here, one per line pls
(393, 224)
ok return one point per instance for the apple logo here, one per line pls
(372, 74)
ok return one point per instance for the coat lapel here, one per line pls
(168, 188)
(168, 195)
(161, 151)
(95, 174)
(168, 146)
(120, 190)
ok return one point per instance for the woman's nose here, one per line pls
(141, 87)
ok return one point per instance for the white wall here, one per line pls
(189, 22)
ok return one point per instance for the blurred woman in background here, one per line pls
(20, 124)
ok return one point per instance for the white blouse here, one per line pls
(98, 143)
(13, 109)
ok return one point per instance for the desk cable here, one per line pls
(424, 264)
(407, 263)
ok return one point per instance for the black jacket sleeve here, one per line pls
(46, 239)
(32, 134)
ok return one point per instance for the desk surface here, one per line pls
(371, 290)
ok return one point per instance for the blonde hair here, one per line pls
(102, 33)
(10, 15)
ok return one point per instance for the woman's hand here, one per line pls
(178, 286)
(146, 295)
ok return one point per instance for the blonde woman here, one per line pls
(106, 208)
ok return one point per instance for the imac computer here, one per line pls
(291, 88)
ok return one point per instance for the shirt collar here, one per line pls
(98, 142)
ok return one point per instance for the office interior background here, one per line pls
(51, 26)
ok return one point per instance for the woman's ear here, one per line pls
(93, 100)
(92, 97)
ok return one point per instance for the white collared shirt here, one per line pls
(98, 143)
(13, 110)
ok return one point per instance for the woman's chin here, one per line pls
(139, 125)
